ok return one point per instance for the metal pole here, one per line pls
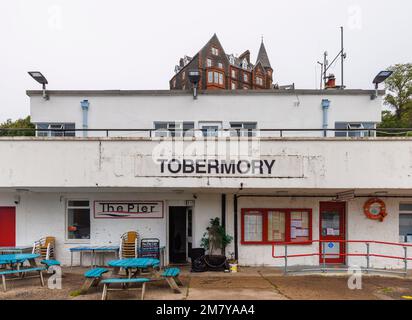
(323, 257)
(406, 260)
(286, 258)
(367, 256)
(342, 55)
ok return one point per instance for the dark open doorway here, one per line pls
(178, 234)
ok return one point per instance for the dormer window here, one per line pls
(215, 51)
(259, 81)
(232, 59)
(244, 64)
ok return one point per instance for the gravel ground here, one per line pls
(250, 283)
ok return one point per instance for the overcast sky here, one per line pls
(128, 44)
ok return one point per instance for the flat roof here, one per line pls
(348, 92)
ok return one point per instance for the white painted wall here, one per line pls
(270, 111)
(44, 214)
(358, 227)
(321, 163)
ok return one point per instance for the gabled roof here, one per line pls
(263, 56)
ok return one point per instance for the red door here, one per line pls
(7, 226)
(332, 228)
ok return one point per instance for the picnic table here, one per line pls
(19, 249)
(13, 264)
(94, 252)
(133, 263)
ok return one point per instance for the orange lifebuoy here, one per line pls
(374, 213)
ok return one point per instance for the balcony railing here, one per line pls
(178, 133)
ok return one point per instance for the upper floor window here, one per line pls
(220, 65)
(215, 77)
(245, 77)
(209, 62)
(355, 129)
(215, 51)
(244, 64)
(210, 129)
(232, 59)
(183, 75)
(259, 81)
(243, 129)
(174, 83)
(233, 72)
(56, 129)
(174, 129)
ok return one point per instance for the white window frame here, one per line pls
(233, 85)
(67, 240)
(209, 62)
(215, 51)
(242, 131)
(220, 65)
(404, 212)
(204, 124)
(245, 77)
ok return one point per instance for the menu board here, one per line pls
(299, 226)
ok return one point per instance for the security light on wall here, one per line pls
(380, 77)
(194, 78)
(40, 78)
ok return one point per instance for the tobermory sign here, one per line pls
(128, 209)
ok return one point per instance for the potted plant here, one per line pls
(215, 240)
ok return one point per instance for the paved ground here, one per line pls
(250, 283)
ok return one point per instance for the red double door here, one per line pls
(7, 226)
(332, 230)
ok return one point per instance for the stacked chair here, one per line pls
(45, 247)
(129, 245)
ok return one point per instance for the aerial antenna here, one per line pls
(326, 65)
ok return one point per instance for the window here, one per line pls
(183, 75)
(245, 77)
(233, 85)
(174, 83)
(233, 73)
(244, 64)
(215, 77)
(174, 129)
(267, 226)
(78, 220)
(209, 62)
(259, 81)
(220, 65)
(56, 129)
(243, 129)
(353, 126)
(232, 59)
(215, 51)
(405, 222)
(210, 129)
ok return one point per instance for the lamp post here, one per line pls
(40, 78)
(380, 77)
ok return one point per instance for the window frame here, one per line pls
(215, 51)
(209, 63)
(66, 233)
(264, 212)
(404, 212)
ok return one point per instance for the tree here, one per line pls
(399, 97)
(18, 124)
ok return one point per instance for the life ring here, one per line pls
(375, 209)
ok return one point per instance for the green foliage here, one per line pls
(398, 99)
(215, 237)
(18, 124)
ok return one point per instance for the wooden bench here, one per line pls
(23, 272)
(93, 277)
(123, 282)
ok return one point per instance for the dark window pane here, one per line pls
(78, 223)
(79, 203)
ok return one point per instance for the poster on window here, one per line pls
(128, 209)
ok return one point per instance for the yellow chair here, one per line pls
(45, 247)
(129, 245)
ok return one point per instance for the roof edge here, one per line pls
(32, 93)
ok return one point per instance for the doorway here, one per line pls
(332, 228)
(7, 226)
(180, 233)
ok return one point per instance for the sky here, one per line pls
(128, 44)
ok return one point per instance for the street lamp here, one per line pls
(194, 78)
(380, 77)
(40, 78)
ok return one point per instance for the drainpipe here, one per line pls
(85, 109)
(325, 108)
(223, 217)
(235, 226)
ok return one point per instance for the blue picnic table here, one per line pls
(18, 249)
(11, 259)
(94, 251)
(133, 263)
